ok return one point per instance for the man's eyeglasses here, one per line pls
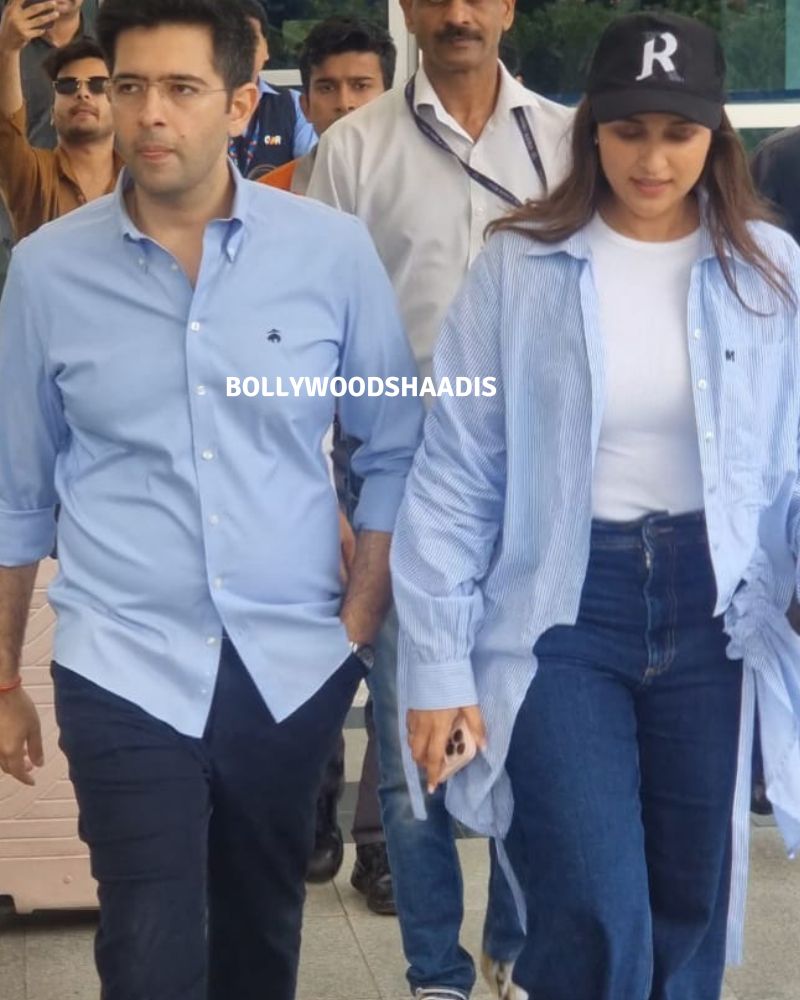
(68, 86)
(181, 93)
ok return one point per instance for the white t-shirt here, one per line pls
(648, 457)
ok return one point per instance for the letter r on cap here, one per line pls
(663, 57)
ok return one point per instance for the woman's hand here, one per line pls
(428, 732)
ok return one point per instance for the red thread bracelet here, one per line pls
(6, 688)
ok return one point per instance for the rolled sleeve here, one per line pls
(379, 502)
(32, 428)
(21, 174)
(26, 536)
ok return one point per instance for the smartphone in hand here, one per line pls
(460, 750)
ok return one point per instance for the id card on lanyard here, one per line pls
(487, 182)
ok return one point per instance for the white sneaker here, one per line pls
(498, 976)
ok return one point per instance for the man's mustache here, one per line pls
(452, 33)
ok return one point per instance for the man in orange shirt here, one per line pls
(43, 184)
(344, 63)
(71, 20)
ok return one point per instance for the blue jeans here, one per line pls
(422, 854)
(623, 763)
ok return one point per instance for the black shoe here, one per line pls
(759, 803)
(328, 854)
(371, 877)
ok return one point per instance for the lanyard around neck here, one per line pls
(487, 182)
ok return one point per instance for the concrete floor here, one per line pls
(350, 954)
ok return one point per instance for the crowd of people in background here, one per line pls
(110, 106)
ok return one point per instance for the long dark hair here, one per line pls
(732, 202)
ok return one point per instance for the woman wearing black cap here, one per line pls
(626, 506)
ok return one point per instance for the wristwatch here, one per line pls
(364, 652)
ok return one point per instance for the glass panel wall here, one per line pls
(554, 39)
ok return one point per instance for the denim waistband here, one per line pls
(650, 574)
(677, 529)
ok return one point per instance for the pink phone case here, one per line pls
(461, 749)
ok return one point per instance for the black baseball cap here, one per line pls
(658, 62)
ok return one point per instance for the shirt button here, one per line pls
(709, 435)
(141, 262)
(712, 489)
(195, 327)
(217, 583)
(702, 384)
(697, 334)
(211, 640)
(173, 266)
(200, 390)
(203, 690)
(214, 519)
(208, 455)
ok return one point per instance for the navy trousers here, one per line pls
(199, 846)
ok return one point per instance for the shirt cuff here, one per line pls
(26, 536)
(379, 502)
(441, 685)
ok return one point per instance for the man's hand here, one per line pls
(347, 549)
(20, 736)
(369, 591)
(429, 731)
(20, 25)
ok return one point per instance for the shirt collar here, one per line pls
(511, 95)
(64, 167)
(577, 245)
(235, 221)
(264, 87)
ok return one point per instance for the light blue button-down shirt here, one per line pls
(185, 511)
(492, 540)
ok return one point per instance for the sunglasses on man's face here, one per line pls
(68, 86)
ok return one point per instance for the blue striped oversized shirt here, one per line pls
(492, 540)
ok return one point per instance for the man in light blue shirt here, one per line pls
(205, 655)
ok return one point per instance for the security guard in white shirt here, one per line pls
(427, 167)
